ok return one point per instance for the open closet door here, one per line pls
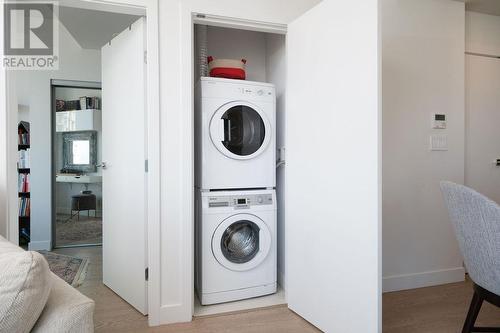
(332, 167)
(124, 177)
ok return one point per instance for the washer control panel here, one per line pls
(240, 201)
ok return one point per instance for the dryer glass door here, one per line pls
(240, 130)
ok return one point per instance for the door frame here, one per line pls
(54, 84)
(8, 142)
(189, 17)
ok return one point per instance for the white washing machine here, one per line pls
(235, 141)
(235, 245)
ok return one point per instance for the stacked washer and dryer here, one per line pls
(235, 230)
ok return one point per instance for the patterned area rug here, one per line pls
(86, 230)
(70, 269)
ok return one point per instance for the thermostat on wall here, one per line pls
(438, 121)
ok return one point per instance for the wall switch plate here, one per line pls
(439, 142)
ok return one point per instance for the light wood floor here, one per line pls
(440, 309)
(112, 314)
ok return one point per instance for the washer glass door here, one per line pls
(241, 242)
(240, 130)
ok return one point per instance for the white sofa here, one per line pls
(65, 310)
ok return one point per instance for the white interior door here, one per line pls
(482, 137)
(332, 167)
(124, 177)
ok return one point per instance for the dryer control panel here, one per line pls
(211, 87)
(240, 201)
(254, 91)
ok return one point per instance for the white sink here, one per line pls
(62, 178)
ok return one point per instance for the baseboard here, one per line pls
(423, 279)
(176, 313)
(39, 245)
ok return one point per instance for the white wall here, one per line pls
(240, 44)
(422, 72)
(176, 135)
(33, 90)
(482, 33)
(482, 103)
(23, 113)
(275, 53)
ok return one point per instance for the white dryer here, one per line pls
(235, 134)
(235, 245)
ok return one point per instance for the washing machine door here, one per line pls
(241, 242)
(240, 130)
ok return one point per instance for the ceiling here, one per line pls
(491, 7)
(92, 29)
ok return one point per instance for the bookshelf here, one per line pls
(24, 181)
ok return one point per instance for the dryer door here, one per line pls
(240, 130)
(241, 242)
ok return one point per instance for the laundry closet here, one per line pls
(320, 70)
(250, 181)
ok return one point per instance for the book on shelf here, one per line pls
(90, 103)
(24, 207)
(24, 138)
(71, 105)
(83, 103)
(24, 233)
(24, 182)
(23, 132)
(23, 161)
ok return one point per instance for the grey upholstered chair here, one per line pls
(476, 220)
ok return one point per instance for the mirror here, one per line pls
(79, 152)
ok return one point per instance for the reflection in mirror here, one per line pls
(81, 152)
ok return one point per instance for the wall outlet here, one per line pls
(281, 154)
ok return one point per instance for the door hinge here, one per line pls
(145, 57)
(146, 274)
(146, 165)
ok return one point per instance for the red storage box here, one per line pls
(227, 68)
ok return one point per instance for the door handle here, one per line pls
(222, 135)
(102, 165)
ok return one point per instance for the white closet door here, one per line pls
(482, 137)
(124, 178)
(333, 166)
